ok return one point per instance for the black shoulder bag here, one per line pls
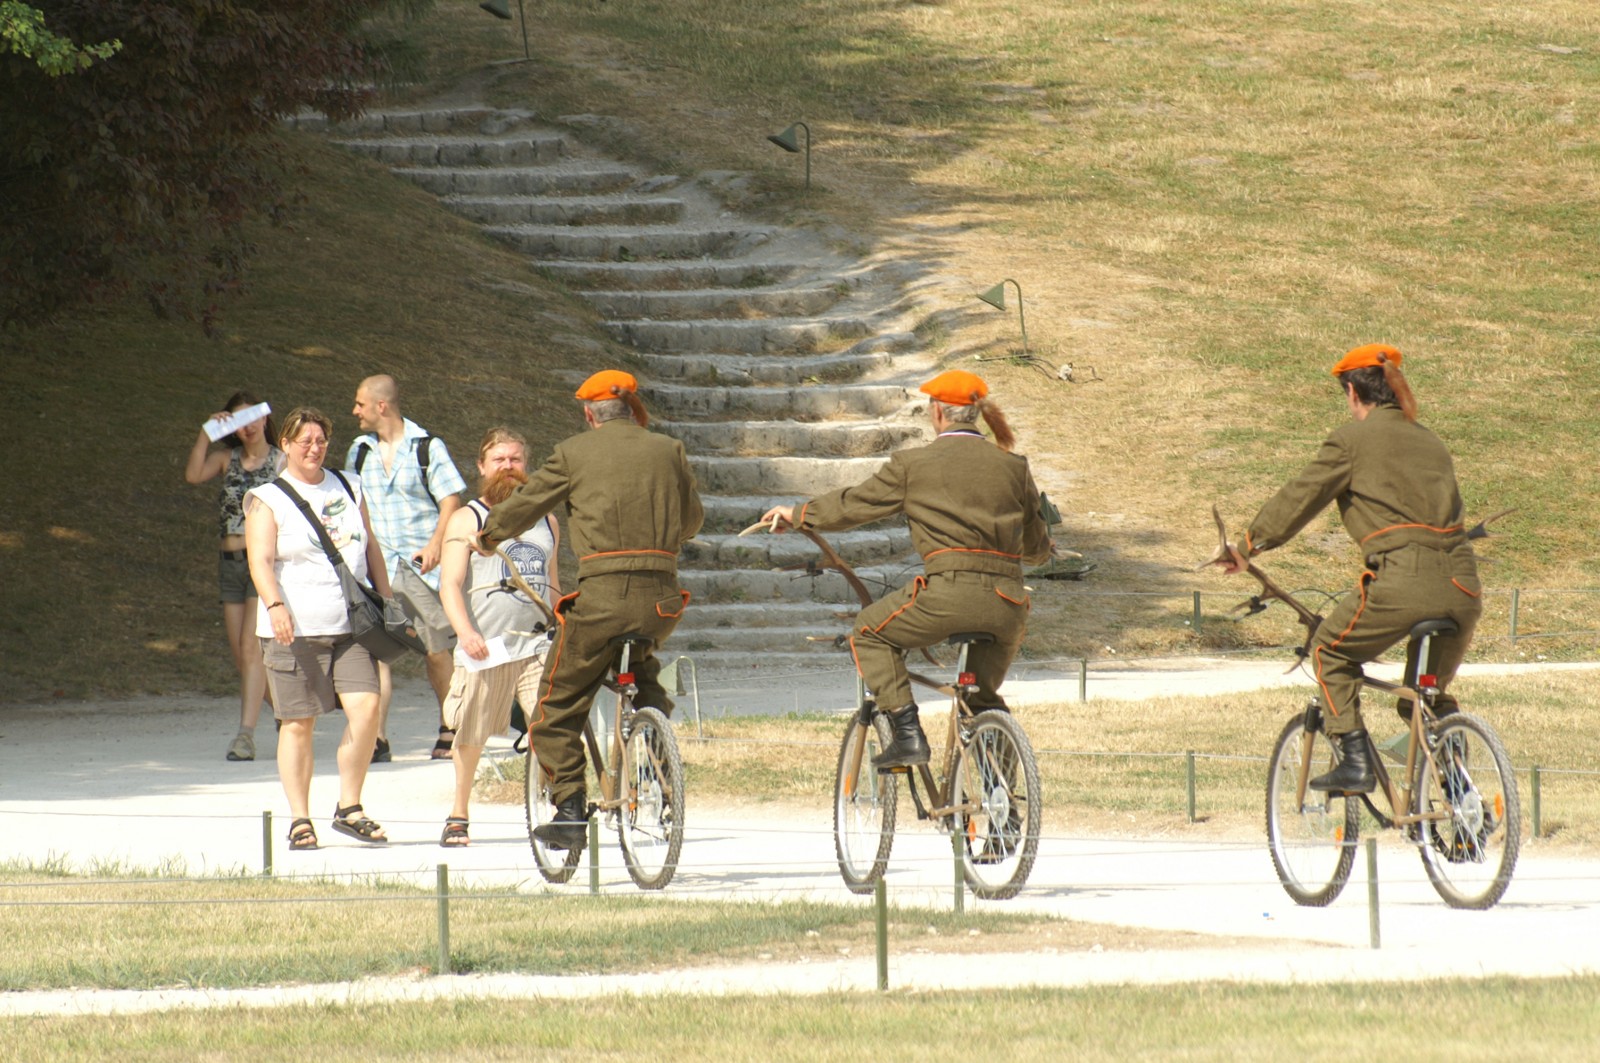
(377, 623)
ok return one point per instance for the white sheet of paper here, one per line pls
(498, 654)
(230, 424)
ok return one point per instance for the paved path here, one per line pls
(144, 784)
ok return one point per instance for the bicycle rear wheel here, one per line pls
(1313, 842)
(1470, 856)
(997, 777)
(650, 823)
(556, 865)
(864, 804)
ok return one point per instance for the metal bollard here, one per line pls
(957, 851)
(880, 897)
(266, 841)
(1372, 894)
(594, 856)
(1537, 823)
(1189, 781)
(444, 920)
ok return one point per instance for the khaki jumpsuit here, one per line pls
(974, 516)
(1397, 494)
(632, 504)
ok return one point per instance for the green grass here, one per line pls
(1509, 1020)
(135, 932)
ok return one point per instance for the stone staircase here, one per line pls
(785, 367)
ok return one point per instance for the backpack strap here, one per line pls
(363, 448)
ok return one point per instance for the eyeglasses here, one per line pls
(309, 444)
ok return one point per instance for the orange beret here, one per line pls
(607, 384)
(1367, 356)
(956, 387)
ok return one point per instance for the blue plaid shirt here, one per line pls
(403, 516)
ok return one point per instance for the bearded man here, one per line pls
(500, 641)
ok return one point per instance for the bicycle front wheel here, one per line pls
(996, 788)
(556, 865)
(864, 804)
(1469, 856)
(1312, 838)
(650, 824)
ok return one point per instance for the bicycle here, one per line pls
(640, 783)
(1457, 801)
(986, 795)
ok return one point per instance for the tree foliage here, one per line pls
(22, 30)
(138, 171)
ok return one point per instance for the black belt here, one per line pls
(235, 555)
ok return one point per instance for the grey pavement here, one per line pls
(143, 785)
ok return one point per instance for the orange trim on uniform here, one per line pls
(681, 608)
(1425, 527)
(1462, 589)
(621, 553)
(971, 550)
(800, 517)
(1327, 699)
(917, 585)
(1013, 601)
(1249, 545)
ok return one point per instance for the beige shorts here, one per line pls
(305, 675)
(478, 706)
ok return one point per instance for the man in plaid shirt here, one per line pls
(411, 487)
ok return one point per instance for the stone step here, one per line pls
(627, 244)
(731, 514)
(815, 402)
(764, 586)
(568, 176)
(461, 151)
(788, 550)
(689, 304)
(806, 640)
(713, 616)
(667, 276)
(748, 369)
(841, 439)
(754, 336)
(779, 475)
(567, 210)
(485, 120)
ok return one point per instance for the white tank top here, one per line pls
(495, 605)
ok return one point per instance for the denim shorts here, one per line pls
(233, 577)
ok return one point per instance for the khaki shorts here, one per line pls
(305, 675)
(478, 706)
(421, 603)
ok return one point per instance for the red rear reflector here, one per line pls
(625, 677)
(967, 679)
(1428, 680)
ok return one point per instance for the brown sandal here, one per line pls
(455, 833)
(354, 822)
(443, 744)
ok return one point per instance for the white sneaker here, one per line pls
(243, 747)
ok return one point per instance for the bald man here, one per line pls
(411, 487)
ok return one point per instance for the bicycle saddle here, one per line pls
(1424, 628)
(631, 640)
(975, 637)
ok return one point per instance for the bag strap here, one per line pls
(335, 558)
(363, 448)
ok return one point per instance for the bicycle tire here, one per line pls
(555, 865)
(650, 822)
(1313, 844)
(1471, 857)
(1000, 838)
(864, 807)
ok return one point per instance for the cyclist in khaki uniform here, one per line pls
(632, 505)
(974, 515)
(1396, 489)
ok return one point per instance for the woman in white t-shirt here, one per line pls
(313, 664)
